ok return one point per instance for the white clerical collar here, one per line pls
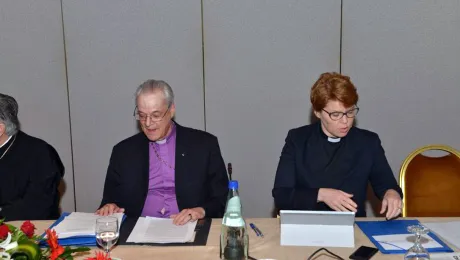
(333, 140)
(162, 141)
(169, 136)
(6, 141)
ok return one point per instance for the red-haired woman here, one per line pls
(327, 165)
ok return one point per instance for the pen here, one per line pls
(254, 228)
(258, 230)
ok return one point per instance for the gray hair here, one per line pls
(9, 114)
(152, 85)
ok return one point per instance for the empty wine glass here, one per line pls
(417, 251)
(107, 233)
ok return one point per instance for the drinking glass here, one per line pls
(417, 252)
(107, 233)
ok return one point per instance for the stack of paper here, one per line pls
(161, 230)
(80, 224)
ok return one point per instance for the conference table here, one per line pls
(259, 248)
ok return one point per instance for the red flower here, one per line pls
(28, 228)
(99, 256)
(4, 231)
(56, 249)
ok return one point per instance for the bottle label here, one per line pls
(234, 205)
(233, 217)
(233, 221)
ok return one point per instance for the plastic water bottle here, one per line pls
(234, 241)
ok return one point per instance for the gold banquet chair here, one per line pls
(431, 185)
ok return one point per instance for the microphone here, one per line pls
(229, 169)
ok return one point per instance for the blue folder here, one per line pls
(394, 227)
(72, 241)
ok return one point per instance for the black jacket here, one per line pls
(30, 173)
(298, 178)
(200, 176)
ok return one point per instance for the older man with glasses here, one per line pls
(168, 170)
(327, 165)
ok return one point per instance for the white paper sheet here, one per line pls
(81, 224)
(449, 231)
(161, 230)
(404, 241)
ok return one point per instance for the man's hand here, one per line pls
(337, 199)
(187, 215)
(109, 209)
(392, 204)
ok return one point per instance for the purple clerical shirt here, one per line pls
(161, 197)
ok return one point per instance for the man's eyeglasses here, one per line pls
(338, 115)
(153, 117)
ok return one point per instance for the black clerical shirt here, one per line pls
(30, 172)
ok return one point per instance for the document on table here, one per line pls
(161, 230)
(404, 241)
(80, 224)
(450, 231)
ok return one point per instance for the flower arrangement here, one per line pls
(58, 252)
(22, 244)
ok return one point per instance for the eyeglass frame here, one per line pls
(342, 113)
(137, 116)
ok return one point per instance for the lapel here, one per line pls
(181, 162)
(143, 161)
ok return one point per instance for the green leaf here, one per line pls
(67, 252)
(12, 228)
(37, 238)
(80, 249)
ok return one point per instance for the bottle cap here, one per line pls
(233, 185)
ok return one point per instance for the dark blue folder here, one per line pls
(72, 241)
(394, 227)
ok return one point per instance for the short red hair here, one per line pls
(333, 86)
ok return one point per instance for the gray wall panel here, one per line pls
(112, 47)
(261, 59)
(32, 70)
(404, 58)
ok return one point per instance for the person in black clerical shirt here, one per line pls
(327, 165)
(30, 170)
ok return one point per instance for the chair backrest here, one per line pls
(431, 185)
